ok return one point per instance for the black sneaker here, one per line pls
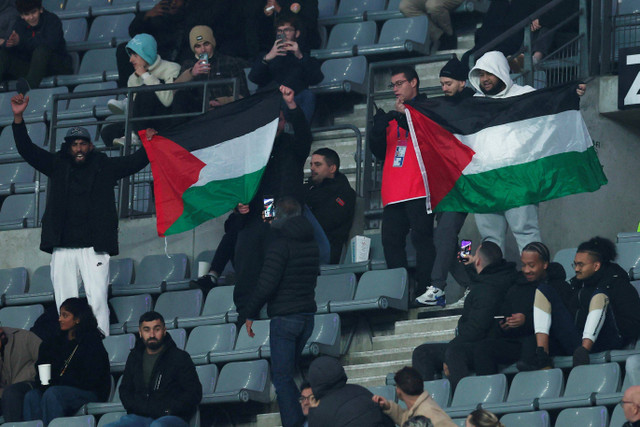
(581, 356)
(542, 361)
(448, 42)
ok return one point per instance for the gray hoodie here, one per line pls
(8, 17)
(495, 63)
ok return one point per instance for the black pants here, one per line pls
(226, 248)
(445, 239)
(125, 69)
(428, 359)
(12, 400)
(490, 353)
(397, 220)
(43, 62)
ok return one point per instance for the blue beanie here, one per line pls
(145, 46)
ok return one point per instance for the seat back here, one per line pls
(352, 34)
(386, 391)
(110, 417)
(341, 69)
(393, 5)
(179, 304)
(219, 301)
(41, 100)
(628, 253)
(208, 376)
(529, 419)
(565, 258)
(159, 268)
(16, 173)
(596, 416)
(354, 7)
(440, 391)
(211, 338)
(13, 281)
(529, 385)
(36, 423)
(252, 375)
(179, 336)
(74, 30)
(401, 29)
(261, 330)
(98, 60)
(632, 369)
(41, 280)
(121, 271)
(94, 101)
(480, 389)
(37, 133)
(118, 347)
(335, 287)
(617, 417)
(105, 28)
(130, 308)
(600, 378)
(21, 317)
(81, 421)
(391, 283)
(20, 208)
(85, 4)
(326, 8)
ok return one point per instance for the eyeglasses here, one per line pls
(310, 398)
(396, 84)
(285, 30)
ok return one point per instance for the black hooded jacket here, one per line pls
(174, 387)
(288, 277)
(341, 404)
(102, 174)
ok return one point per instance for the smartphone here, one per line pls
(269, 208)
(282, 37)
(204, 57)
(465, 248)
(498, 317)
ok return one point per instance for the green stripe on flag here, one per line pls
(201, 203)
(544, 179)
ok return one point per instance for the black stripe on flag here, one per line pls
(471, 115)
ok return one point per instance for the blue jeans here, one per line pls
(131, 420)
(56, 401)
(319, 235)
(287, 337)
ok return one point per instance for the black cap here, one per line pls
(77, 132)
(454, 69)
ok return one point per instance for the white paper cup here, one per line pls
(203, 268)
(45, 373)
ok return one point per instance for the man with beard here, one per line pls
(160, 385)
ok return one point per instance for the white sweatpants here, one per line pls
(69, 266)
(522, 220)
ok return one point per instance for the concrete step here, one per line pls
(413, 339)
(366, 370)
(372, 381)
(426, 325)
(268, 420)
(386, 355)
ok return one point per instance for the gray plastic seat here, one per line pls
(81, 421)
(208, 376)
(128, 310)
(529, 419)
(16, 178)
(218, 309)
(37, 133)
(154, 273)
(40, 105)
(179, 336)
(391, 12)
(242, 382)
(110, 417)
(175, 305)
(596, 416)
(335, 287)
(345, 38)
(53, 6)
(13, 281)
(36, 423)
(74, 30)
(326, 8)
(353, 11)
(440, 391)
(40, 289)
(343, 75)
(617, 417)
(565, 258)
(97, 65)
(210, 338)
(526, 388)
(245, 348)
(22, 317)
(628, 254)
(113, 405)
(386, 391)
(118, 348)
(583, 384)
(121, 271)
(325, 337)
(19, 211)
(474, 390)
(379, 289)
(627, 7)
(90, 106)
(401, 35)
(111, 30)
(631, 377)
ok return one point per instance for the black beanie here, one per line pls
(454, 69)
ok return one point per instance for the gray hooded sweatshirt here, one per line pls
(495, 63)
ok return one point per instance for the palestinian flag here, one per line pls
(205, 167)
(486, 155)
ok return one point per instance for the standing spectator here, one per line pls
(631, 406)
(441, 32)
(287, 283)
(80, 222)
(403, 191)
(18, 355)
(36, 48)
(79, 366)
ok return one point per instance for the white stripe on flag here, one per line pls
(238, 156)
(525, 141)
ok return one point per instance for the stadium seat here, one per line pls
(90, 106)
(326, 8)
(74, 30)
(128, 310)
(81, 421)
(622, 354)
(526, 388)
(37, 133)
(110, 417)
(16, 178)
(36, 423)
(114, 405)
(179, 336)
(583, 384)
(565, 257)
(386, 391)
(325, 338)
(379, 289)
(208, 376)
(81, 8)
(345, 38)
(13, 281)
(242, 382)
(19, 210)
(106, 31)
(40, 289)
(53, 5)
(98, 65)
(440, 391)
(631, 377)
(627, 7)
(596, 416)
(353, 11)
(528, 419)
(628, 254)
(20, 317)
(153, 274)
(121, 271)
(118, 347)
(343, 75)
(218, 309)
(391, 12)
(175, 305)
(335, 287)
(472, 391)
(617, 417)
(246, 348)
(204, 340)
(401, 35)
(40, 106)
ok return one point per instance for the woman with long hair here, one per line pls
(79, 366)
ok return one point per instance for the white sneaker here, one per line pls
(118, 106)
(135, 140)
(433, 296)
(460, 302)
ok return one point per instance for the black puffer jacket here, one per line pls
(104, 175)
(297, 74)
(341, 404)
(288, 277)
(174, 387)
(487, 291)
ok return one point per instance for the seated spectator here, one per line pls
(340, 404)
(207, 64)
(331, 199)
(491, 277)
(410, 390)
(8, 17)
(512, 334)
(598, 310)
(441, 32)
(482, 418)
(631, 406)
(150, 69)
(287, 64)
(160, 385)
(36, 47)
(79, 366)
(19, 352)
(306, 400)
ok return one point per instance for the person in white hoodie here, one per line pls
(490, 78)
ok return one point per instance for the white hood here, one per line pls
(495, 63)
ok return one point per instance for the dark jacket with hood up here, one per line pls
(174, 387)
(288, 277)
(102, 174)
(341, 404)
(487, 291)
